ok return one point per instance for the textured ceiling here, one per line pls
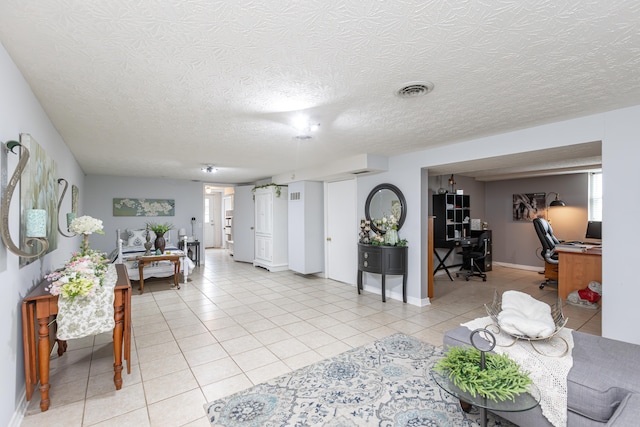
(159, 88)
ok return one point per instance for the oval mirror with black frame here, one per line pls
(384, 200)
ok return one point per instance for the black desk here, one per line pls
(450, 246)
(383, 260)
(195, 254)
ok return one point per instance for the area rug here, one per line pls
(386, 383)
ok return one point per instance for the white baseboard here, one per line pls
(21, 409)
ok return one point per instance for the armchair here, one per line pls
(549, 242)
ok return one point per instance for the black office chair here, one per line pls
(471, 256)
(549, 242)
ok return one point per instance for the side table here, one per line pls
(521, 402)
(383, 260)
(144, 260)
(192, 250)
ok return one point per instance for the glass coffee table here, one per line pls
(522, 402)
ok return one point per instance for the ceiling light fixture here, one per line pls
(209, 169)
(414, 89)
(304, 126)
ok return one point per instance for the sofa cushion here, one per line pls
(604, 372)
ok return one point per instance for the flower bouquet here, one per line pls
(85, 269)
(86, 225)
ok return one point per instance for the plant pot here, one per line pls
(160, 243)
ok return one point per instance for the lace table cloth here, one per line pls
(549, 374)
(89, 315)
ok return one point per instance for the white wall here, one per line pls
(101, 190)
(20, 112)
(618, 130)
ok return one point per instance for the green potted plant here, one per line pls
(160, 229)
(501, 379)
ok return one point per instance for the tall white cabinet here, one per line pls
(271, 237)
(306, 227)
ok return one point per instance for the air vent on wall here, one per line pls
(414, 89)
(294, 195)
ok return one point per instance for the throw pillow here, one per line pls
(139, 237)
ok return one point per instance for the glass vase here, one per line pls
(391, 237)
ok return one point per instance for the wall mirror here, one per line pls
(384, 200)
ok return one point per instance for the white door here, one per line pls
(342, 231)
(243, 224)
(213, 220)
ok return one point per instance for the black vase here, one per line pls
(160, 243)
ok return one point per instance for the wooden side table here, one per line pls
(144, 260)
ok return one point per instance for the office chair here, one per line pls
(471, 256)
(549, 242)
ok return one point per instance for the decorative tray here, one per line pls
(556, 313)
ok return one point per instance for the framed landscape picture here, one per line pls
(143, 207)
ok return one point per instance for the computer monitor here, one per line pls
(594, 230)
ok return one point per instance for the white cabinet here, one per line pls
(306, 227)
(271, 238)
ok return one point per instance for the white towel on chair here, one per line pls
(524, 315)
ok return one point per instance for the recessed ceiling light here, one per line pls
(414, 89)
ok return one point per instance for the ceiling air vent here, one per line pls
(414, 89)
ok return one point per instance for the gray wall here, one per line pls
(101, 190)
(515, 242)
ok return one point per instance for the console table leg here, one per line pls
(43, 362)
(404, 287)
(117, 345)
(384, 297)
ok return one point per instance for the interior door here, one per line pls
(243, 224)
(213, 220)
(342, 228)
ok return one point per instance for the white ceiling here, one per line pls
(161, 88)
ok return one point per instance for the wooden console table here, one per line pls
(175, 258)
(39, 306)
(383, 260)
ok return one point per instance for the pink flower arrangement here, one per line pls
(79, 276)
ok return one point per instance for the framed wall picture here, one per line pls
(38, 190)
(528, 206)
(143, 207)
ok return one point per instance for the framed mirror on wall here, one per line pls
(385, 200)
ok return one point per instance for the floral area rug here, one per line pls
(386, 383)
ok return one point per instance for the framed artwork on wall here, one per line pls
(528, 206)
(38, 190)
(143, 207)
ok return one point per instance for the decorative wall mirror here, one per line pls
(384, 200)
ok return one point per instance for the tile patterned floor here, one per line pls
(234, 326)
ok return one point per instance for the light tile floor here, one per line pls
(233, 326)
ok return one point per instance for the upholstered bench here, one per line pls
(603, 386)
